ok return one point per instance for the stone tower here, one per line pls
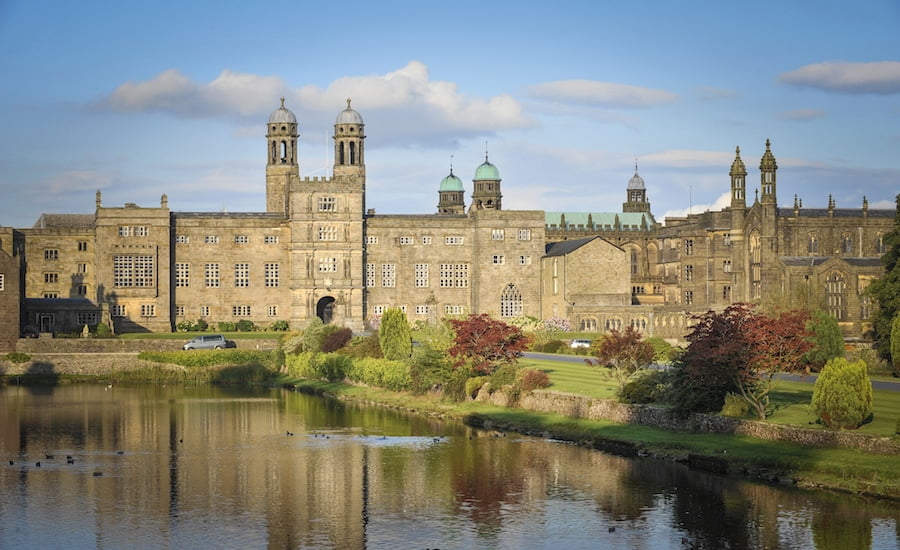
(636, 200)
(349, 144)
(451, 195)
(281, 166)
(486, 195)
(738, 210)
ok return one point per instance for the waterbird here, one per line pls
(120, 452)
(37, 464)
(70, 460)
(48, 457)
(11, 463)
(98, 474)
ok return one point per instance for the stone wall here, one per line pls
(115, 345)
(94, 364)
(596, 409)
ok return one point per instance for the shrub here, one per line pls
(505, 375)
(291, 342)
(210, 358)
(646, 386)
(532, 379)
(429, 369)
(474, 385)
(663, 352)
(383, 373)
(735, 406)
(842, 396)
(332, 367)
(313, 335)
(394, 335)
(279, 326)
(245, 325)
(17, 357)
(103, 331)
(557, 324)
(364, 346)
(825, 335)
(225, 326)
(553, 346)
(336, 338)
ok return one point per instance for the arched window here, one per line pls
(341, 153)
(634, 261)
(835, 299)
(846, 243)
(511, 301)
(589, 325)
(652, 258)
(812, 244)
(755, 266)
(879, 243)
(352, 153)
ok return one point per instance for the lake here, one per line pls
(91, 466)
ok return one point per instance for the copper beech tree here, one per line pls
(485, 344)
(740, 350)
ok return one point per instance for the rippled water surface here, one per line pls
(192, 467)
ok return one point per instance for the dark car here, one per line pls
(209, 341)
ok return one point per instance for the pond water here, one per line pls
(187, 467)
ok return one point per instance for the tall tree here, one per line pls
(485, 344)
(886, 290)
(623, 352)
(827, 340)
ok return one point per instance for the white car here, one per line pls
(580, 343)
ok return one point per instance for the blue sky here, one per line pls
(153, 97)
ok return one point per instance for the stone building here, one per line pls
(317, 251)
(10, 291)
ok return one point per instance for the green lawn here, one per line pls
(789, 399)
(189, 335)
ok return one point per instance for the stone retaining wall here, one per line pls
(93, 364)
(598, 409)
(116, 345)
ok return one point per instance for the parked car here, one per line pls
(580, 343)
(209, 341)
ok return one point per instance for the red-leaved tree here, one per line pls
(740, 350)
(485, 343)
(623, 352)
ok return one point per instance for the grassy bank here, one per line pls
(846, 470)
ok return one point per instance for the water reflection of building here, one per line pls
(208, 465)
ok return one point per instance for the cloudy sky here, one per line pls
(153, 97)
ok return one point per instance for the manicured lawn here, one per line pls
(790, 399)
(189, 335)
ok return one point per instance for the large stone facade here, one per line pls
(318, 252)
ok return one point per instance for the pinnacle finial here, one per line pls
(635, 165)
(767, 144)
(737, 151)
(451, 165)
(282, 102)
(485, 151)
(348, 103)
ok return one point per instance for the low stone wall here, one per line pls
(598, 409)
(116, 345)
(94, 364)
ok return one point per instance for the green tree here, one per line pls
(826, 339)
(886, 290)
(395, 336)
(842, 396)
(624, 353)
(313, 335)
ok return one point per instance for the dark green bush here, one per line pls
(646, 386)
(395, 335)
(245, 325)
(429, 369)
(226, 326)
(209, 358)
(663, 351)
(383, 373)
(505, 375)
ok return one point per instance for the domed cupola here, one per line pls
(486, 194)
(636, 194)
(349, 143)
(451, 195)
(282, 115)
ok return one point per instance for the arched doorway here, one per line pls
(325, 309)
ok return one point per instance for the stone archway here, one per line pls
(325, 309)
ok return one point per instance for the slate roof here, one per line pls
(562, 248)
(71, 221)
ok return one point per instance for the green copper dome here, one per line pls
(487, 171)
(451, 183)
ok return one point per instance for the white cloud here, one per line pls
(601, 94)
(879, 77)
(406, 101)
(722, 202)
(707, 93)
